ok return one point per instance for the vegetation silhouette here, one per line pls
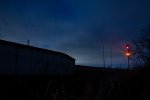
(142, 47)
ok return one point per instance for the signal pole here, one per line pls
(128, 54)
(128, 62)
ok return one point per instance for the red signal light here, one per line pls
(127, 46)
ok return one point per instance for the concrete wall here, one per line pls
(23, 60)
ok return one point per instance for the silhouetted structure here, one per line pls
(23, 59)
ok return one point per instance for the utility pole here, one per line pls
(28, 42)
(111, 56)
(1, 35)
(103, 56)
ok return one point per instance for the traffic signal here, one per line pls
(128, 54)
(128, 50)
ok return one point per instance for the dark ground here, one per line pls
(103, 84)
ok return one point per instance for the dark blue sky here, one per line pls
(76, 27)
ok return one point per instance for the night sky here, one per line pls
(78, 28)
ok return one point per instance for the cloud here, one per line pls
(77, 27)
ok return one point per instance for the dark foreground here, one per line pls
(104, 84)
